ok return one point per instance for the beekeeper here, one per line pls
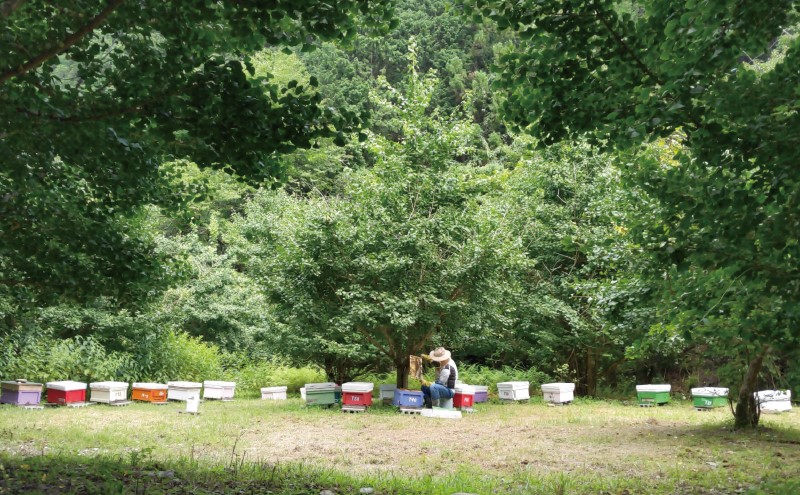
(446, 376)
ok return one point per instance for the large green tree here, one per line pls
(727, 229)
(403, 255)
(95, 94)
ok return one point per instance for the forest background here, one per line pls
(420, 209)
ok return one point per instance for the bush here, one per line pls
(46, 359)
(175, 356)
(273, 373)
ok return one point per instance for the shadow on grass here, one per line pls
(51, 474)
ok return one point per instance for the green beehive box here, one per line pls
(650, 395)
(709, 397)
(320, 394)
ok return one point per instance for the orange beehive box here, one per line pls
(149, 392)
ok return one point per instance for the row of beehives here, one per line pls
(711, 397)
(21, 392)
(359, 394)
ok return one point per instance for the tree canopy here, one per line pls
(727, 224)
(94, 95)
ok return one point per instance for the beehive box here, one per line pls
(273, 393)
(20, 393)
(514, 390)
(214, 389)
(408, 398)
(66, 392)
(481, 393)
(709, 397)
(558, 393)
(464, 396)
(320, 394)
(149, 392)
(183, 390)
(387, 393)
(357, 393)
(108, 392)
(649, 395)
(774, 400)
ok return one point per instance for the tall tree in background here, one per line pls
(728, 229)
(403, 255)
(94, 95)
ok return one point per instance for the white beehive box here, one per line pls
(213, 389)
(558, 393)
(513, 390)
(387, 391)
(774, 400)
(358, 387)
(303, 393)
(107, 392)
(274, 393)
(183, 390)
(463, 388)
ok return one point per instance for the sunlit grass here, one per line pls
(586, 447)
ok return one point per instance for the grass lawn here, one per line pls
(254, 446)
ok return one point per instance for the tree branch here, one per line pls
(373, 342)
(625, 46)
(64, 45)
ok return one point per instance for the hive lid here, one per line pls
(388, 387)
(463, 388)
(217, 383)
(359, 387)
(654, 388)
(513, 385)
(179, 384)
(150, 386)
(710, 392)
(20, 382)
(66, 386)
(558, 387)
(769, 395)
(270, 390)
(320, 387)
(108, 385)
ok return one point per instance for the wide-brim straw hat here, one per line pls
(439, 354)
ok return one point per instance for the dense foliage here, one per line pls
(599, 192)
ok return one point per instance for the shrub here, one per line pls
(272, 373)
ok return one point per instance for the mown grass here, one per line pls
(252, 446)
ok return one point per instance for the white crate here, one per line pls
(358, 387)
(213, 389)
(387, 391)
(183, 390)
(558, 393)
(514, 390)
(273, 393)
(107, 392)
(774, 400)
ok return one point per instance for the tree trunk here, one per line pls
(747, 411)
(591, 373)
(403, 367)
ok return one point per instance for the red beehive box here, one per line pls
(66, 392)
(357, 394)
(464, 396)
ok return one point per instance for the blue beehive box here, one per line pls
(408, 398)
